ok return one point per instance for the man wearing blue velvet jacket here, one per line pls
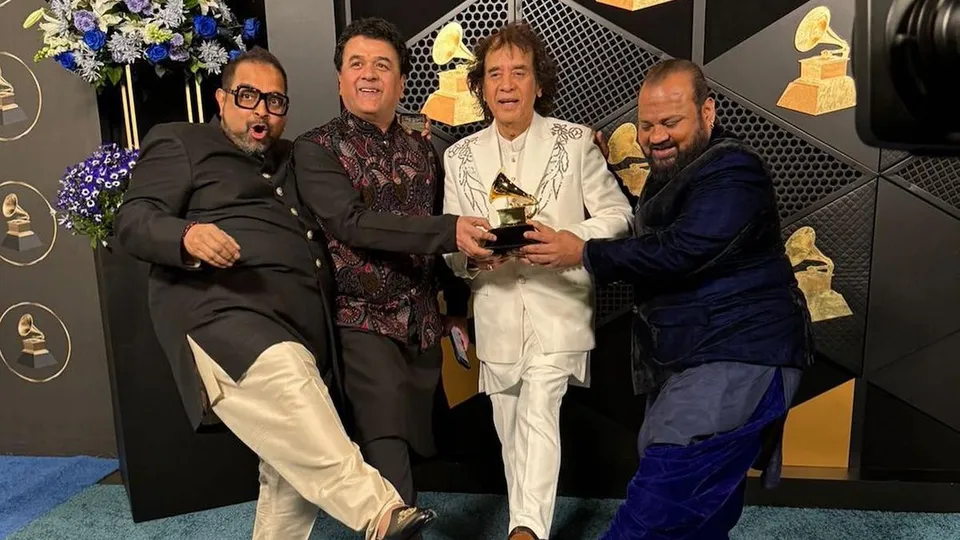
(721, 330)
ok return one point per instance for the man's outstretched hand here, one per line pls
(554, 249)
(208, 243)
(471, 235)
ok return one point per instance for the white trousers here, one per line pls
(527, 419)
(282, 410)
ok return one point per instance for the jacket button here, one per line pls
(294, 212)
(309, 235)
(280, 192)
(522, 279)
(266, 175)
(318, 263)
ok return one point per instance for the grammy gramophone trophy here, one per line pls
(452, 104)
(814, 273)
(10, 112)
(34, 354)
(20, 237)
(633, 5)
(823, 85)
(512, 220)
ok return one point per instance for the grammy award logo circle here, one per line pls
(34, 343)
(20, 105)
(29, 227)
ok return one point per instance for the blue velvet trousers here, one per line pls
(700, 437)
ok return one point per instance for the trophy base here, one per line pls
(11, 116)
(452, 109)
(38, 360)
(21, 244)
(509, 237)
(816, 97)
(632, 5)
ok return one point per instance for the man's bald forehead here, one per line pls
(678, 85)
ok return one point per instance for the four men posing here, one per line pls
(275, 264)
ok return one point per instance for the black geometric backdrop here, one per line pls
(853, 196)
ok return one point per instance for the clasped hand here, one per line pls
(553, 249)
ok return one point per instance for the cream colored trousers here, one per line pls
(282, 410)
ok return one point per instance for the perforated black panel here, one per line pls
(890, 158)
(600, 70)
(478, 20)
(938, 176)
(844, 230)
(803, 174)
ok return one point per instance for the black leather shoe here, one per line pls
(407, 521)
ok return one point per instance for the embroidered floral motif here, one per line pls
(558, 164)
(467, 175)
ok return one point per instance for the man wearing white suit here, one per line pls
(534, 324)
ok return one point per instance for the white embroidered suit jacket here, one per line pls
(566, 171)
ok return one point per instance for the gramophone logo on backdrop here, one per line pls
(34, 343)
(633, 5)
(823, 85)
(29, 224)
(452, 104)
(20, 98)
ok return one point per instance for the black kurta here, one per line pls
(280, 289)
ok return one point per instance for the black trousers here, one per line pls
(391, 390)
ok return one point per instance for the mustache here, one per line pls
(665, 145)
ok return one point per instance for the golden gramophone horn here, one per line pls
(449, 45)
(25, 327)
(11, 207)
(815, 30)
(503, 188)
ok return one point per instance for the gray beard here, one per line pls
(250, 148)
(660, 177)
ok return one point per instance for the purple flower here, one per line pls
(204, 26)
(67, 61)
(137, 6)
(251, 27)
(157, 53)
(95, 39)
(179, 55)
(85, 21)
(176, 40)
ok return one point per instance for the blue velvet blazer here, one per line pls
(711, 277)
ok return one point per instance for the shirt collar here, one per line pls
(367, 128)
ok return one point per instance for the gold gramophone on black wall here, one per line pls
(34, 353)
(10, 112)
(452, 104)
(20, 236)
(823, 85)
(512, 219)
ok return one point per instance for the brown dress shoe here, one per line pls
(523, 533)
(407, 521)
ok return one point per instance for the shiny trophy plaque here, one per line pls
(10, 112)
(512, 220)
(20, 237)
(633, 5)
(823, 85)
(814, 273)
(453, 104)
(34, 354)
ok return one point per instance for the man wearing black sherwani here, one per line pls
(239, 295)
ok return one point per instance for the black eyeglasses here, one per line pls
(247, 97)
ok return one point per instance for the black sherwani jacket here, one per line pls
(281, 288)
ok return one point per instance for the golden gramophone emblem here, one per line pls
(633, 5)
(34, 354)
(627, 159)
(814, 273)
(452, 104)
(20, 236)
(823, 85)
(10, 112)
(520, 206)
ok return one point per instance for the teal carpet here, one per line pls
(102, 513)
(32, 486)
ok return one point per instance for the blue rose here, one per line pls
(95, 39)
(157, 53)
(233, 55)
(251, 27)
(204, 26)
(67, 61)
